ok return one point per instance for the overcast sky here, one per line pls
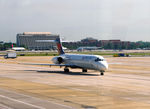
(76, 19)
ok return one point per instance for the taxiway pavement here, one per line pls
(124, 85)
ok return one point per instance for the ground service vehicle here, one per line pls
(10, 55)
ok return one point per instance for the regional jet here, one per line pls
(82, 61)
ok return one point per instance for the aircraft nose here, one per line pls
(104, 65)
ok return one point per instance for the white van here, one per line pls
(10, 55)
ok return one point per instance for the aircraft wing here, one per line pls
(60, 65)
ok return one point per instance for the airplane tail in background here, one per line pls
(59, 47)
(12, 46)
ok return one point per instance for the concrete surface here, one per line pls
(124, 85)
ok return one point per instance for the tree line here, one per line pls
(109, 45)
(6, 46)
(75, 45)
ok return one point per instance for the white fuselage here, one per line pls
(93, 62)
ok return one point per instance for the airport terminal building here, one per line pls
(29, 40)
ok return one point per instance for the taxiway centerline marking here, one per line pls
(38, 107)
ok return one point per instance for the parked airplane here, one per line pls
(18, 48)
(88, 48)
(84, 62)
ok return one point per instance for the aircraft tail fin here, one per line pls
(59, 46)
(12, 45)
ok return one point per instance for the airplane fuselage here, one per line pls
(93, 62)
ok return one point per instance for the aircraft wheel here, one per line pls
(84, 70)
(102, 73)
(66, 70)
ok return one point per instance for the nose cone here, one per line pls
(103, 66)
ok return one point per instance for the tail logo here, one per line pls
(59, 48)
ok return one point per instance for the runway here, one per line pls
(124, 85)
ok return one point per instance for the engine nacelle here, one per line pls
(58, 60)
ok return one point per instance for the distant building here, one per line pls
(127, 43)
(28, 40)
(114, 42)
(117, 44)
(104, 42)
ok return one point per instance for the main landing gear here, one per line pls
(101, 73)
(66, 70)
(84, 70)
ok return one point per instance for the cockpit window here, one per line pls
(98, 59)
